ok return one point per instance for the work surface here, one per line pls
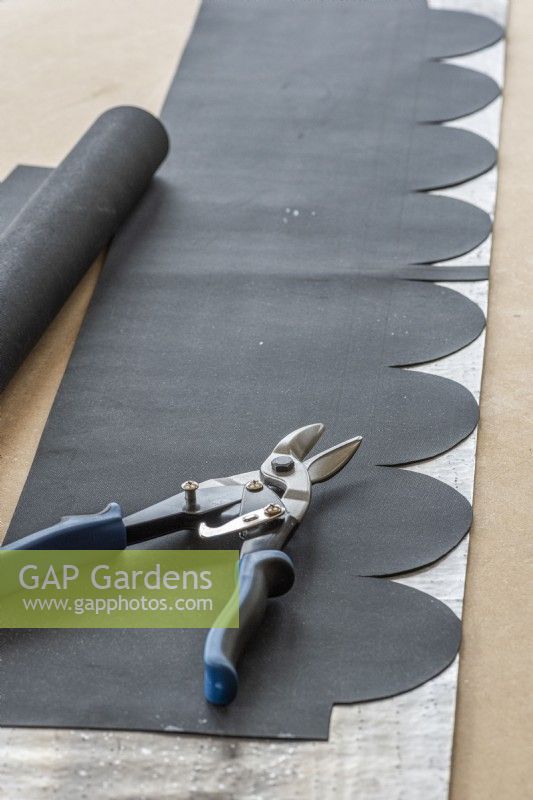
(412, 757)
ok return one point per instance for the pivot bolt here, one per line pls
(273, 510)
(282, 464)
(190, 487)
(254, 486)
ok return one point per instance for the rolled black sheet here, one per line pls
(58, 233)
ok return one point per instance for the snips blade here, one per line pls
(326, 464)
(301, 441)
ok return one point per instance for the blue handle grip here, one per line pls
(102, 531)
(262, 574)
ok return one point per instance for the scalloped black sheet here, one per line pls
(268, 280)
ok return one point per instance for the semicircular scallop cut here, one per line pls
(366, 638)
(426, 322)
(457, 33)
(419, 416)
(436, 228)
(374, 638)
(384, 520)
(425, 625)
(447, 92)
(448, 156)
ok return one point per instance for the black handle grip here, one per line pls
(263, 574)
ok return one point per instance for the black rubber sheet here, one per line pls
(268, 280)
(52, 237)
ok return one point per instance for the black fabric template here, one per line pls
(56, 236)
(258, 287)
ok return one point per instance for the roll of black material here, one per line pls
(59, 232)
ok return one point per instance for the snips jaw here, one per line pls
(287, 471)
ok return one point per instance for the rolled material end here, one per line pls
(65, 224)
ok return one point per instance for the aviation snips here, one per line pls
(264, 507)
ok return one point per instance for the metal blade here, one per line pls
(301, 441)
(326, 464)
